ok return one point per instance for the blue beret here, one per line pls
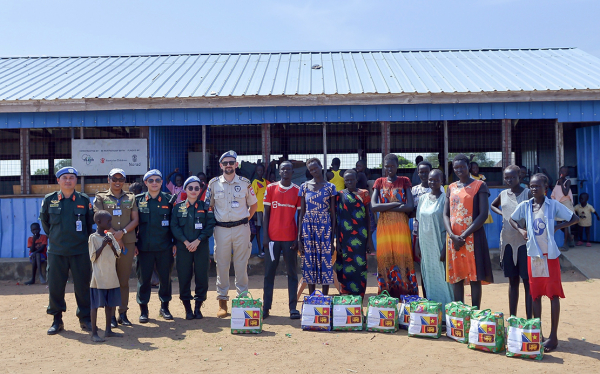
(151, 173)
(67, 170)
(191, 179)
(228, 154)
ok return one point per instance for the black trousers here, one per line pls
(291, 264)
(144, 268)
(58, 273)
(193, 264)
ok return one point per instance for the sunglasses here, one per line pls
(157, 180)
(230, 163)
(118, 179)
(192, 188)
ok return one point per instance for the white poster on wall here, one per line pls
(99, 156)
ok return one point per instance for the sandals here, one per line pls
(294, 314)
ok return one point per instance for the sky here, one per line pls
(107, 27)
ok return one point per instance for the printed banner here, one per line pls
(99, 156)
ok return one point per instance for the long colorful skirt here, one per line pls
(395, 267)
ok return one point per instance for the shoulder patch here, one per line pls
(84, 195)
(244, 179)
(213, 180)
(140, 195)
(50, 194)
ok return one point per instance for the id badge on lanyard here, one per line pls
(118, 211)
(198, 225)
(78, 224)
(165, 221)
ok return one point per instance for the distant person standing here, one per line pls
(154, 244)
(361, 175)
(259, 185)
(234, 203)
(123, 209)
(38, 245)
(416, 180)
(562, 193)
(176, 189)
(67, 218)
(335, 175)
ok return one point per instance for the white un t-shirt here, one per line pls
(540, 229)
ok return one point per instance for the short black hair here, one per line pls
(362, 161)
(313, 159)
(201, 173)
(461, 158)
(350, 171)
(391, 157)
(336, 161)
(512, 168)
(101, 214)
(437, 171)
(426, 163)
(285, 162)
(259, 165)
(34, 224)
(584, 194)
(135, 187)
(419, 157)
(541, 176)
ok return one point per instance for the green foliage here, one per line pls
(57, 166)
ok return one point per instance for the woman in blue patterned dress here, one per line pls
(316, 233)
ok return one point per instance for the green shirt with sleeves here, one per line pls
(184, 219)
(59, 216)
(152, 234)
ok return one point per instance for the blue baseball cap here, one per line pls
(191, 179)
(151, 173)
(228, 154)
(67, 170)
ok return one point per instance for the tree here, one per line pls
(57, 166)
(481, 158)
(403, 163)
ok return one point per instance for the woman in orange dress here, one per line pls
(467, 253)
(393, 199)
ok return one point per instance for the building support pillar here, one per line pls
(325, 150)
(506, 143)
(204, 149)
(446, 171)
(266, 145)
(385, 139)
(560, 146)
(82, 177)
(25, 155)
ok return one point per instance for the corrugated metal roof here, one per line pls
(302, 73)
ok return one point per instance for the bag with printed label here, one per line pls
(425, 319)
(524, 338)
(382, 313)
(487, 331)
(316, 312)
(458, 321)
(404, 310)
(246, 314)
(347, 313)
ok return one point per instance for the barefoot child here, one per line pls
(38, 244)
(105, 290)
(513, 253)
(584, 211)
(543, 265)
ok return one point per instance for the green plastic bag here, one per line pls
(487, 331)
(425, 319)
(382, 313)
(524, 338)
(246, 314)
(458, 321)
(347, 313)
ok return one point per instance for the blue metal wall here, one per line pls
(588, 169)
(17, 214)
(574, 111)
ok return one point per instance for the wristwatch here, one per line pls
(124, 231)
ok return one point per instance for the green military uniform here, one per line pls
(190, 222)
(120, 208)
(68, 223)
(155, 245)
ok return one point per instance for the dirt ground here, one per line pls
(207, 345)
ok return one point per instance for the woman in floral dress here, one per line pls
(467, 252)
